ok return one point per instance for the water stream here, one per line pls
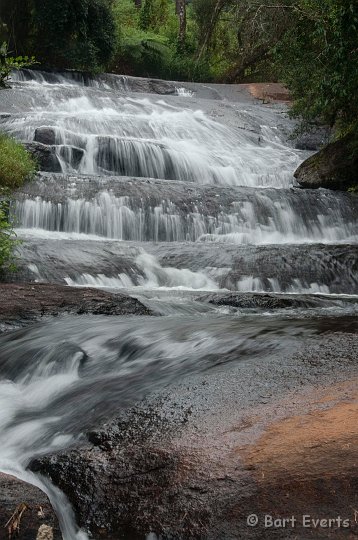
(167, 198)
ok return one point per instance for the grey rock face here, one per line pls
(45, 156)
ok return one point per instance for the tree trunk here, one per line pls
(214, 18)
(181, 11)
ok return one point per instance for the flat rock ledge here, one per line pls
(25, 512)
(27, 302)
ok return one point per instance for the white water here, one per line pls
(267, 221)
(118, 133)
(152, 138)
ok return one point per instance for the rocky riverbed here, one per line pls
(276, 438)
(178, 346)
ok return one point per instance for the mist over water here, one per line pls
(168, 198)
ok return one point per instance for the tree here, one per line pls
(181, 12)
(318, 60)
(207, 13)
(76, 34)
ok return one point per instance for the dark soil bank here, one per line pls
(25, 512)
(27, 302)
(271, 439)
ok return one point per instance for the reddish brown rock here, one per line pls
(29, 301)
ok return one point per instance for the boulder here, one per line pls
(333, 167)
(45, 156)
(45, 135)
(25, 511)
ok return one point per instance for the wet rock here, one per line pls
(334, 167)
(4, 116)
(45, 156)
(128, 483)
(151, 86)
(72, 155)
(263, 301)
(30, 301)
(125, 483)
(313, 140)
(28, 507)
(45, 135)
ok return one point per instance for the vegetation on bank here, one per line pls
(16, 165)
(7, 240)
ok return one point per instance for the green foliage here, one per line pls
(78, 34)
(7, 240)
(318, 60)
(10, 63)
(148, 42)
(16, 164)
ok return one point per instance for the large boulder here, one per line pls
(333, 167)
(45, 135)
(45, 156)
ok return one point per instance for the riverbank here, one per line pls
(275, 437)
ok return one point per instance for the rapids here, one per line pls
(164, 192)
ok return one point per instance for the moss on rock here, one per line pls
(333, 167)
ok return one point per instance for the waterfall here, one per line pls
(165, 192)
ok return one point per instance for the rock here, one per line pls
(334, 167)
(31, 506)
(127, 483)
(160, 87)
(26, 302)
(72, 155)
(263, 300)
(44, 148)
(314, 139)
(45, 135)
(45, 156)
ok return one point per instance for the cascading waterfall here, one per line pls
(271, 217)
(141, 168)
(163, 196)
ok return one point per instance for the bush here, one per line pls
(7, 241)
(16, 164)
(10, 63)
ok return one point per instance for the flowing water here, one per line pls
(170, 198)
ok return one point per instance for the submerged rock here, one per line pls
(334, 167)
(26, 512)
